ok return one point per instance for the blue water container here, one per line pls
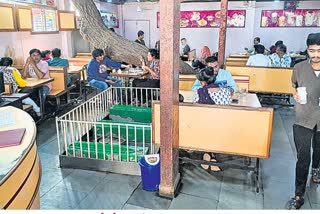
(150, 172)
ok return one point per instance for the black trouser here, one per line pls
(145, 83)
(302, 140)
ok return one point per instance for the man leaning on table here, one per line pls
(36, 68)
(223, 76)
(97, 71)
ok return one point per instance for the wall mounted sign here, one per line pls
(50, 3)
(209, 19)
(109, 19)
(290, 18)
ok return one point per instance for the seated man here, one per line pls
(222, 75)
(56, 61)
(36, 68)
(259, 59)
(60, 62)
(280, 58)
(97, 71)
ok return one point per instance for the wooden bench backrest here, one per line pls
(227, 130)
(192, 54)
(236, 61)
(8, 89)
(186, 82)
(79, 61)
(264, 79)
(59, 74)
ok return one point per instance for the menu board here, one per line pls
(109, 19)
(209, 19)
(44, 20)
(290, 18)
(50, 18)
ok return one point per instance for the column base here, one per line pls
(170, 191)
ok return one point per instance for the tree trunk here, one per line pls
(117, 47)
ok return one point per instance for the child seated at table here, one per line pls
(210, 93)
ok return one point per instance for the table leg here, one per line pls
(41, 100)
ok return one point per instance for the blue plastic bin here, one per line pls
(150, 172)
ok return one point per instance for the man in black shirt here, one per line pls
(185, 50)
(140, 38)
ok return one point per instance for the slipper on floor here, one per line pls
(215, 168)
(206, 157)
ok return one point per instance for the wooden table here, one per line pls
(14, 99)
(248, 99)
(126, 76)
(35, 83)
(20, 169)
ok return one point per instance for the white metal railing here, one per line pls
(81, 133)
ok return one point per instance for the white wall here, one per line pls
(237, 38)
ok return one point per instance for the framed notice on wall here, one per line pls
(7, 22)
(44, 20)
(67, 20)
(24, 18)
(290, 18)
(209, 19)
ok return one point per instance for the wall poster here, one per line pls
(209, 19)
(290, 18)
(109, 19)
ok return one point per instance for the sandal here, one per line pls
(315, 175)
(208, 157)
(295, 203)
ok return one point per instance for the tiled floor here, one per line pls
(230, 189)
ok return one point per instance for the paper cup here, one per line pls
(302, 92)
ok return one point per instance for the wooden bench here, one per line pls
(232, 130)
(59, 85)
(265, 79)
(186, 81)
(79, 61)
(232, 61)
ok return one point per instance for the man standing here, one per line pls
(306, 129)
(223, 76)
(97, 71)
(185, 49)
(140, 38)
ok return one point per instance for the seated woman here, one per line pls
(201, 62)
(210, 93)
(12, 76)
(152, 73)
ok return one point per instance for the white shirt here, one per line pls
(317, 73)
(259, 60)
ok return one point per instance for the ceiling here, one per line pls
(124, 1)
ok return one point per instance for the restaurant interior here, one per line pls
(82, 125)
